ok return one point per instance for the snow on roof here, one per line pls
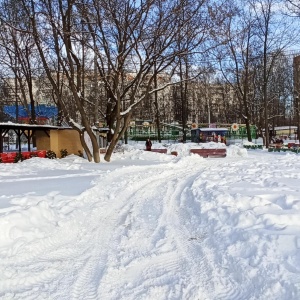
(213, 129)
(285, 127)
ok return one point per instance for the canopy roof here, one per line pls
(24, 129)
(19, 126)
(208, 129)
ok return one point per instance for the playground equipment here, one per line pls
(240, 131)
(142, 129)
(202, 135)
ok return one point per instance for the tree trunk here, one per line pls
(157, 114)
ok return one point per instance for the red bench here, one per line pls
(26, 155)
(9, 157)
(219, 152)
(38, 153)
(42, 153)
(293, 145)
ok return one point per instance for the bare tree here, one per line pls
(237, 61)
(19, 54)
(140, 40)
(293, 7)
(255, 41)
(274, 36)
(128, 43)
(54, 31)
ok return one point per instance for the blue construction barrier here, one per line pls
(41, 111)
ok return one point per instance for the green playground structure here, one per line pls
(140, 130)
(241, 132)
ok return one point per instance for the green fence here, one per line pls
(173, 133)
(141, 133)
(241, 133)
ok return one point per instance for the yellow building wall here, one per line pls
(65, 139)
(59, 139)
(42, 140)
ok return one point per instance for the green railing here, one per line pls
(241, 133)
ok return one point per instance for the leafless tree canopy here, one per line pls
(104, 59)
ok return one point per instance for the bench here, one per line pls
(9, 157)
(276, 146)
(293, 145)
(219, 152)
(159, 150)
(26, 155)
(39, 153)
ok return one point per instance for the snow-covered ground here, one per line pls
(152, 226)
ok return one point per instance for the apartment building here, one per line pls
(190, 102)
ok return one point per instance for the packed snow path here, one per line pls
(186, 228)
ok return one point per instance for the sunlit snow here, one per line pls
(152, 226)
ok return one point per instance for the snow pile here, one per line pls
(235, 151)
(183, 149)
(152, 226)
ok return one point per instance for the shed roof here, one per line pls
(11, 125)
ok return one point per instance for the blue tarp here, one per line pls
(40, 111)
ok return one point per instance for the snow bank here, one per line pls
(152, 226)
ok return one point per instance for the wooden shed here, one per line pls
(47, 137)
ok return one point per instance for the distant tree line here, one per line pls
(105, 59)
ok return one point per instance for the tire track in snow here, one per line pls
(108, 218)
(136, 267)
(203, 265)
(132, 191)
(59, 251)
(165, 264)
(205, 187)
(181, 207)
(101, 258)
(199, 280)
